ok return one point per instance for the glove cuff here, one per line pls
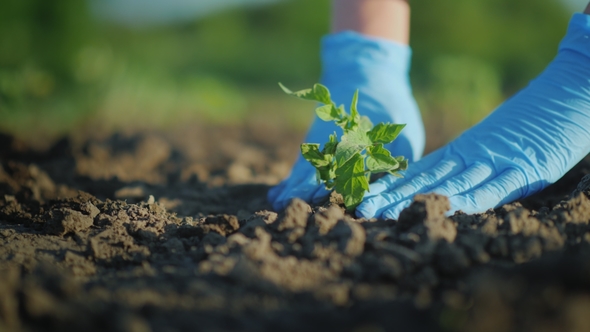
(349, 52)
(577, 37)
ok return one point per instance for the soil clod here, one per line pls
(147, 232)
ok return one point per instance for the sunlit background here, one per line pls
(112, 64)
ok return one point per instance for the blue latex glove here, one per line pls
(378, 68)
(529, 142)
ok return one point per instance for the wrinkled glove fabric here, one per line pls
(527, 143)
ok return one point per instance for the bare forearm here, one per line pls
(388, 19)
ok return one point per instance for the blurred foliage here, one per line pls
(59, 67)
(468, 56)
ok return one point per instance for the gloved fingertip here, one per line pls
(382, 185)
(394, 212)
(304, 191)
(275, 191)
(373, 207)
(320, 195)
(456, 202)
(465, 204)
(375, 189)
(277, 205)
(365, 210)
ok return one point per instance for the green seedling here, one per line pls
(346, 165)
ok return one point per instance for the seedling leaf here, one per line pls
(326, 173)
(331, 146)
(311, 152)
(403, 163)
(321, 94)
(385, 132)
(351, 181)
(365, 124)
(327, 113)
(379, 160)
(352, 143)
(355, 118)
(317, 93)
(344, 166)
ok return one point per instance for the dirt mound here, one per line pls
(145, 232)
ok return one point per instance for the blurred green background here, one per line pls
(62, 68)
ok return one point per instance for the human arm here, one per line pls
(388, 19)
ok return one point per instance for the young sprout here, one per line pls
(346, 165)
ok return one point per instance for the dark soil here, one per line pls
(172, 232)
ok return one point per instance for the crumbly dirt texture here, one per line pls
(171, 231)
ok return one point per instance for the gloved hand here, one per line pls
(526, 144)
(378, 68)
